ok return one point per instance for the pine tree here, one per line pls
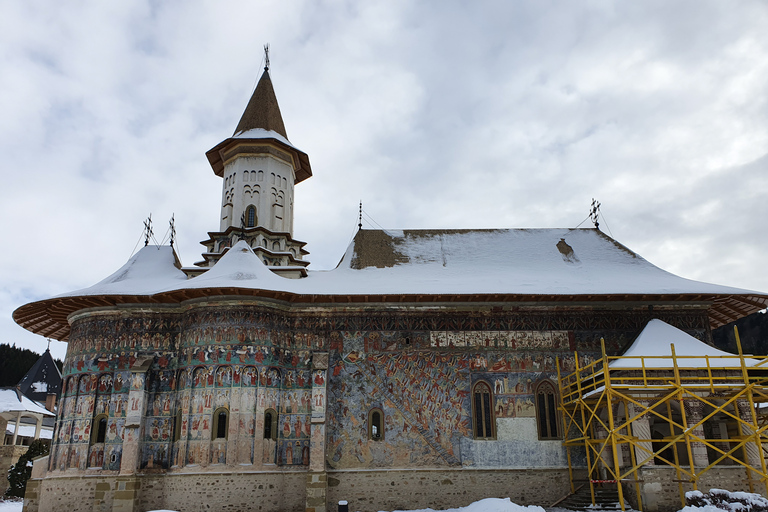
(22, 470)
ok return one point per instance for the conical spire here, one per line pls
(262, 110)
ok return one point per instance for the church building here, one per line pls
(421, 372)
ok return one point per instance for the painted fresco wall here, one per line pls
(97, 380)
(425, 395)
(422, 380)
(176, 370)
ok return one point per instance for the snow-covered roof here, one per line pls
(503, 261)
(42, 379)
(12, 401)
(28, 431)
(498, 261)
(652, 349)
(530, 265)
(238, 268)
(261, 133)
(153, 267)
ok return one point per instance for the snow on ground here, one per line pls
(506, 505)
(489, 505)
(11, 506)
(486, 505)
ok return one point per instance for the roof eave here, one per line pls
(49, 317)
(301, 160)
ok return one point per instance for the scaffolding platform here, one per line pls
(689, 413)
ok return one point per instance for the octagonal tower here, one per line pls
(259, 167)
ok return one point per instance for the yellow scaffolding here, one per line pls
(657, 390)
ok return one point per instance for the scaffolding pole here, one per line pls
(657, 389)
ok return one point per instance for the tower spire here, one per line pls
(262, 110)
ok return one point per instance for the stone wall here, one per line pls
(286, 491)
(234, 492)
(370, 491)
(660, 492)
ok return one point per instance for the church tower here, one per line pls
(259, 167)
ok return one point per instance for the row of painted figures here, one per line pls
(198, 377)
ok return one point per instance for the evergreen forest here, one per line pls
(16, 362)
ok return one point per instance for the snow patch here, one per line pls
(488, 505)
(652, 349)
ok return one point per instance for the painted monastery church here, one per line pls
(425, 370)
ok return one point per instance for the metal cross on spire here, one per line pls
(173, 228)
(266, 57)
(148, 230)
(594, 213)
(360, 217)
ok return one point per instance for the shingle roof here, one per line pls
(262, 110)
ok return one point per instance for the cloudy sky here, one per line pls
(434, 114)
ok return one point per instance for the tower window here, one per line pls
(482, 412)
(376, 424)
(250, 216)
(547, 417)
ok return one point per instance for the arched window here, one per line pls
(96, 445)
(547, 416)
(270, 424)
(482, 411)
(376, 424)
(250, 216)
(220, 423)
(99, 433)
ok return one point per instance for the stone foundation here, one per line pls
(660, 492)
(294, 491)
(235, 492)
(371, 491)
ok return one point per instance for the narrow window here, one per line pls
(482, 412)
(547, 416)
(250, 216)
(376, 424)
(270, 424)
(177, 427)
(101, 433)
(220, 417)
